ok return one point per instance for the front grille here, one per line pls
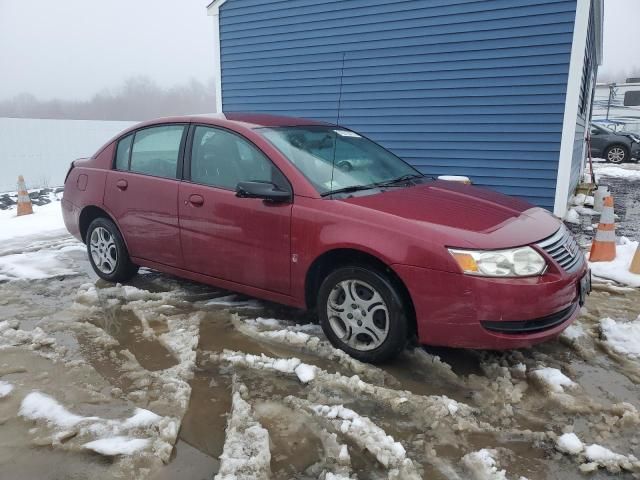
(532, 326)
(563, 248)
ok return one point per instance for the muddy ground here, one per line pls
(181, 350)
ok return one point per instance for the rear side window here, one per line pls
(122, 153)
(156, 150)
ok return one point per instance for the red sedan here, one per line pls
(317, 216)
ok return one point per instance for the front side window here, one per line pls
(123, 152)
(223, 159)
(156, 150)
(333, 159)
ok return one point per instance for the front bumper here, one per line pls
(457, 310)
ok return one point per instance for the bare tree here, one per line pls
(138, 98)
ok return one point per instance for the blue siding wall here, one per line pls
(588, 82)
(462, 87)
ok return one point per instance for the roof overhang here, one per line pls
(598, 23)
(214, 7)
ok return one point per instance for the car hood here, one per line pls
(463, 215)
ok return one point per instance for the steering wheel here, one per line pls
(345, 165)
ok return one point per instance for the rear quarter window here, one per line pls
(123, 152)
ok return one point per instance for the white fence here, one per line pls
(42, 150)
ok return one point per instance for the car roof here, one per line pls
(248, 120)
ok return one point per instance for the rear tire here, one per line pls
(107, 252)
(616, 154)
(362, 313)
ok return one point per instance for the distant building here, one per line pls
(498, 90)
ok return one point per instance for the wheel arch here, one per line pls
(88, 215)
(330, 260)
(625, 147)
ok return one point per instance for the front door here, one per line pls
(142, 192)
(244, 240)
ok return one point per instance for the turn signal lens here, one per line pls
(466, 261)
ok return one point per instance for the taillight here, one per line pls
(69, 171)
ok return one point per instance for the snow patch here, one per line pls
(618, 269)
(483, 466)
(574, 331)
(5, 388)
(34, 265)
(46, 219)
(246, 452)
(117, 445)
(623, 338)
(569, 443)
(553, 379)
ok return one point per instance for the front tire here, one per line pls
(362, 313)
(616, 154)
(108, 254)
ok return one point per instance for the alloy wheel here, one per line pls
(616, 155)
(358, 315)
(103, 250)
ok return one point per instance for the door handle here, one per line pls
(122, 184)
(196, 200)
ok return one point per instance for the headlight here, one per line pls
(513, 262)
(635, 138)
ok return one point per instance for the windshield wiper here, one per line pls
(386, 183)
(403, 178)
(352, 188)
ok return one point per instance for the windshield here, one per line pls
(359, 162)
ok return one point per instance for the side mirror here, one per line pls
(264, 190)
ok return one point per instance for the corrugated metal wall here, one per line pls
(453, 86)
(42, 150)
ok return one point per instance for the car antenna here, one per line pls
(335, 140)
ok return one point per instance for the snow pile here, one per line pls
(594, 456)
(569, 443)
(574, 331)
(483, 466)
(246, 452)
(303, 371)
(553, 379)
(366, 434)
(46, 220)
(618, 172)
(5, 388)
(618, 269)
(305, 338)
(115, 437)
(572, 216)
(429, 411)
(36, 339)
(623, 338)
(35, 265)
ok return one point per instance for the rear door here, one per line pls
(142, 192)
(244, 240)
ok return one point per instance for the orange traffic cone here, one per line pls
(603, 248)
(24, 202)
(635, 263)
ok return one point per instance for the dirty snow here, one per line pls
(117, 445)
(553, 379)
(618, 269)
(619, 172)
(5, 388)
(622, 337)
(246, 453)
(482, 465)
(35, 265)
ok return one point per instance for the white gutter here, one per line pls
(213, 10)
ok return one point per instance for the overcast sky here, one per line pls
(71, 49)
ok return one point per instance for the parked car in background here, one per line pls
(614, 147)
(316, 216)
